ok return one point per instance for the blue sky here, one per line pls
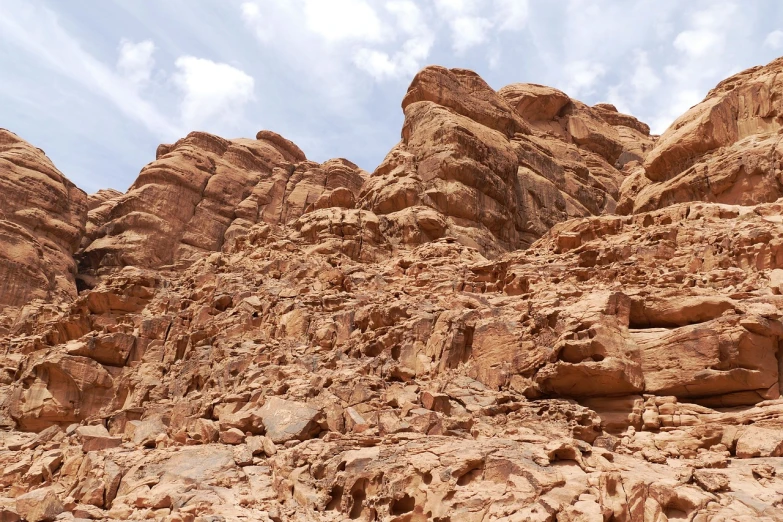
(98, 84)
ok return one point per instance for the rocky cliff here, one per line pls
(531, 310)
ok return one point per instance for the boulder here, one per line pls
(40, 505)
(759, 442)
(96, 437)
(288, 420)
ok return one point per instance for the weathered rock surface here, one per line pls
(205, 191)
(40, 505)
(726, 149)
(497, 170)
(42, 220)
(260, 337)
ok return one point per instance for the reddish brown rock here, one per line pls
(41, 505)
(726, 149)
(497, 170)
(205, 191)
(288, 420)
(42, 220)
(316, 344)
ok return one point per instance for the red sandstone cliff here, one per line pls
(531, 310)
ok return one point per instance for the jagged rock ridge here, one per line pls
(531, 310)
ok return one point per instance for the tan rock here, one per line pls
(711, 481)
(144, 433)
(42, 220)
(759, 442)
(61, 389)
(40, 505)
(288, 420)
(96, 437)
(232, 436)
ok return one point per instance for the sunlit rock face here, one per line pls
(726, 149)
(531, 310)
(496, 170)
(42, 219)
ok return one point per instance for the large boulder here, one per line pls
(288, 420)
(40, 505)
(59, 389)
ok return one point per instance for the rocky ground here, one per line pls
(532, 310)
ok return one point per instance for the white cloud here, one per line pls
(582, 76)
(774, 40)
(212, 92)
(455, 8)
(718, 15)
(135, 61)
(404, 63)
(494, 57)
(708, 33)
(512, 15)
(409, 17)
(472, 22)
(644, 79)
(377, 64)
(699, 42)
(36, 30)
(469, 31)
(637, 86)
(407, 60)
(468, 28)
(254, 18)
(337, 20)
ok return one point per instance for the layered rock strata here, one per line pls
(497, 169)
(42, 220)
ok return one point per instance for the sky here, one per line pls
(98, 84)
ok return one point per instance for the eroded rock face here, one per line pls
(203, 192)
(726, 149)
(42, 220)
(497, 170)
(316, 344)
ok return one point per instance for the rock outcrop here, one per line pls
(497, 170)
(507, 321)
(205, 191)
(42, 220)
(727, 149)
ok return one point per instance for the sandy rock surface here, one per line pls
(42, 219)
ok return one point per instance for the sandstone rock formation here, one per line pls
(726, 149)
(204, 191)
(42, 219)
(497, 170)
(510, 320)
